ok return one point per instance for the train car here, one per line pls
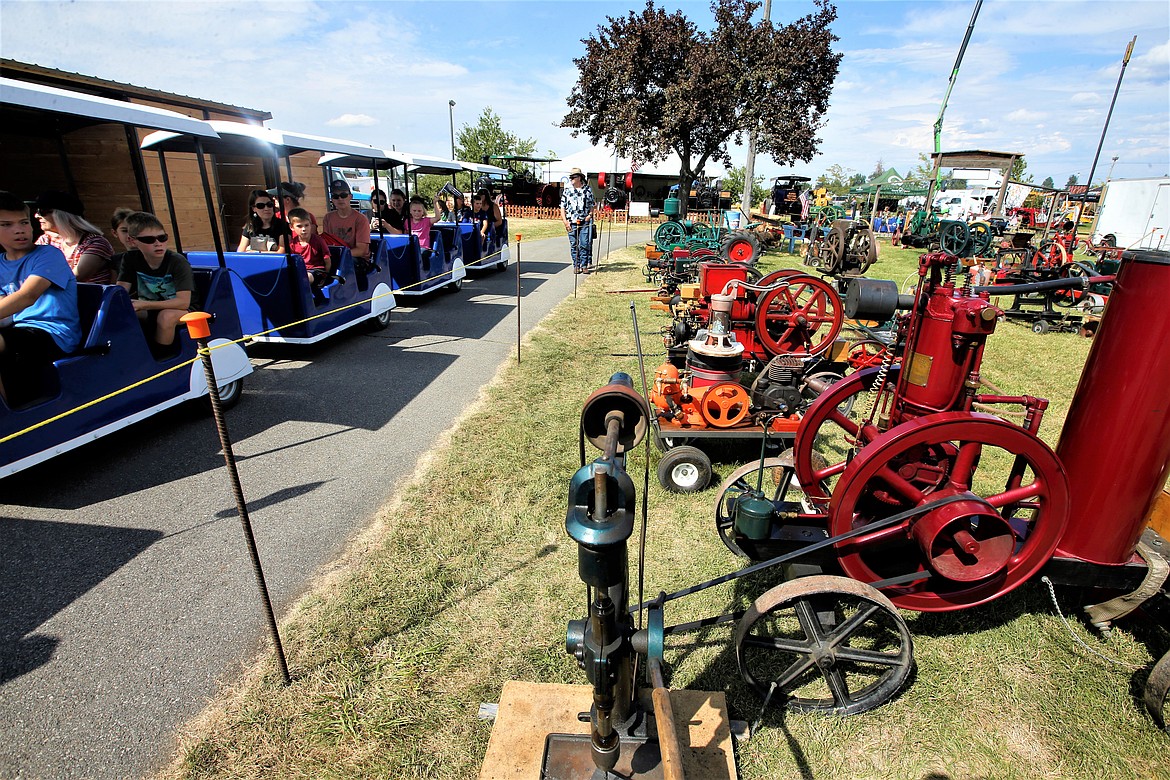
(276, 301)
(112, 380)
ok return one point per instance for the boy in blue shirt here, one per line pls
(39, 321)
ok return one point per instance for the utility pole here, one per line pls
(749, 167)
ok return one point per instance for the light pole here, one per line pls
(1110, 176)
(451, 114)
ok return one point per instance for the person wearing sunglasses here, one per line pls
(264, 231)
(90, 255)
(160, 282)
(345, 223)
(387, 212)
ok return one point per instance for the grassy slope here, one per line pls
(469, 580)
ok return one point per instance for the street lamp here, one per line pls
(1110, 176)
(451, 113)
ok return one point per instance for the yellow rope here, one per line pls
(240, 340)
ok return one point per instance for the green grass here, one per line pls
(467, 580)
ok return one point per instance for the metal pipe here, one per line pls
(162, 164)
(1105, 129)
(215, 234)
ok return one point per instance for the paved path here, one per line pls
(126, 594)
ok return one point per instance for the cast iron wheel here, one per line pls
(826, 645)
(780, 484)
(800, 318)
(1052, 254)
(684, 470)
(1156, 693)
(725, 405)
(866, 353)
(833, 428)
(835, 248)
(864, 248)
(954, 238)
(1007, 506)
(981, 238)
(669, 234)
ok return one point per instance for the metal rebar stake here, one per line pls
(197, 326)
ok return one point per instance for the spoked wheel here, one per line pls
(803, 317)
(864, 249)
(779, 484)
(684, 470)
(825, 645)
(995, 503)
(1052, 255)
(836, 425)
(981, 238)
(866, 353)
(1157, 693)
(669, 234)
(725, 405)
(954, 237)
(1068, 298)
(835, 247)
(780, 274)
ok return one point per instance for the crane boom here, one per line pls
(954, 75)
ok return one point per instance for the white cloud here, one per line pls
(1085, 97)
(352, 120)
(1024, 115)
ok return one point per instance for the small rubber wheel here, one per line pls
(1157, 692)
(1041, 326)
(379, 321)
(229, 395)
(454, 286)
(684, 470)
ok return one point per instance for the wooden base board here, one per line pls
(529, 712)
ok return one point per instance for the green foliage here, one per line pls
(487, 138)
(1071, 181)
(733, 181)
(878, 169)
(1018, 171)
(1048, 182)
(653, 83)
(837, 179)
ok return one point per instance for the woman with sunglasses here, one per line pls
(264, 232)
(89, 254)
(384, 215)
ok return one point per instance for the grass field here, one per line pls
(467, 580)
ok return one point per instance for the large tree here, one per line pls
(653, 83)
(486, 138)
(837, 179)
(734, 181)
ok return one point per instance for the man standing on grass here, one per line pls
(577, 213)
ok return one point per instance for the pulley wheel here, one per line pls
(725, 405)
(615, 397)
(1008, 507)
(825, 645)
(779, 484)
(835, 248)
(668, 235)
(954, 238)
(836, 425)
(981, 238)
(866, 353)
(802, 317)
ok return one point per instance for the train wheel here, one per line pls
(379, 321)
(779, 484)
(1157, 693)
(802, 317)
(825, 645)
(229, 395)
(684, 470)
(454, 286)
(998, 503)
(836, 425)
(725, 405)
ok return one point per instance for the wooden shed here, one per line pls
(103, 166)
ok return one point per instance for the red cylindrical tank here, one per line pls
(1115, 444)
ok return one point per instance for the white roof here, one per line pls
(601, 158)
(491, 170)
(238, 137)
(64, 101)
(388, 159)
(426, 163)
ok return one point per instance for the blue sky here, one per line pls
(1037, 77)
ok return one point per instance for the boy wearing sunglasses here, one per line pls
(160, 282)
(39, 321)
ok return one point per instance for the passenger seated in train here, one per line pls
(291, 193)
(486, 215)
(311, 247)
(390, 215)
(122, 233)
(39, 320)
(264, 231)
(420, 226)
(160, 282)
(345, 223)
(458, 211)
(87, 251)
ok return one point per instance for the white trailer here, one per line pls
(1134, 213)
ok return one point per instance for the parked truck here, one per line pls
(1134, 213)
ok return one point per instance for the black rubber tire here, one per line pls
(229, 395)
(1041, 326)
(453, 286)
(379, 321)
(684, 469)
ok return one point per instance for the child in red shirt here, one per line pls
(310, 246)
